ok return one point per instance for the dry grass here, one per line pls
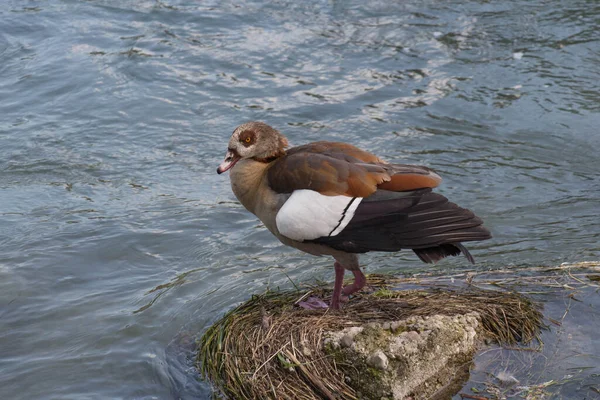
(268, 348)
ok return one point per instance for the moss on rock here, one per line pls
(423, 355)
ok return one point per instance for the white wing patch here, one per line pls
(308, 215)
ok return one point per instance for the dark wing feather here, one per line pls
(431, 255)
(421, 220)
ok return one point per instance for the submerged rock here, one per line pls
(418, 357)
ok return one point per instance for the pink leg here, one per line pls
(314, 303)
(339, 294)
(337, 286)
(359, 282)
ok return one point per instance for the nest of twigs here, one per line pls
(269, 348)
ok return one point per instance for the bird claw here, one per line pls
(313, 303)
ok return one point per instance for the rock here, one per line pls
(396, 326)
(346, 341)
(378, 360)
(343, 338)
(419, 357)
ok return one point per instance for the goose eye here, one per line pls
(247, 140)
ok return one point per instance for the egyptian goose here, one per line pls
(330, 198)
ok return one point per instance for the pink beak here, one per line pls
(230, 159)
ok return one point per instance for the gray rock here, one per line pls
(346, 341)
(413, 358)
(378, 360)
(396, 326)
(343, 338)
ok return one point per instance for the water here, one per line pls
(115, 114)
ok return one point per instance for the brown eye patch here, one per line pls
(247, 138)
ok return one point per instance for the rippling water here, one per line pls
(119, 243)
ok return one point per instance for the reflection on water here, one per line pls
(115, 115)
